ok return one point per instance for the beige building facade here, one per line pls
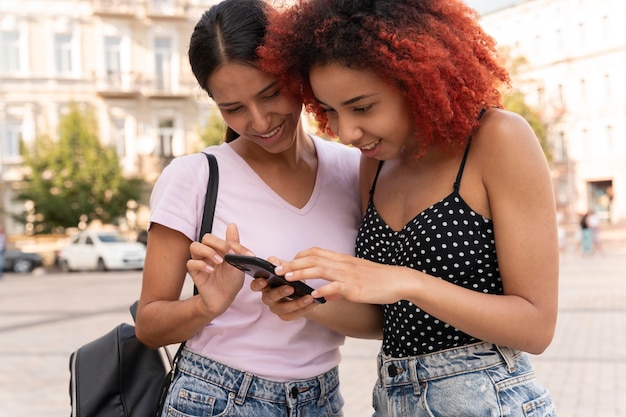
(576, 61)
(125, 59)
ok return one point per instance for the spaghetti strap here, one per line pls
(380, 165)
(457, 182)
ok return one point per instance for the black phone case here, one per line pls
(260, 268)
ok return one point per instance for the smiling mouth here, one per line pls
(370, 146)
(272, 133)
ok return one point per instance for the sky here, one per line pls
(486, 6)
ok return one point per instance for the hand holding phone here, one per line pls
(260, 268)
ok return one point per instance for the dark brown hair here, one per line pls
(229, 31)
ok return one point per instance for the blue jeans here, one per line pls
(203, 387)
(479, 380)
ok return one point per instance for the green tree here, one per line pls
(75, 179)
(214, 131)
(515, 101)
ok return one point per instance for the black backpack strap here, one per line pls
(210, 200)
(211, 196)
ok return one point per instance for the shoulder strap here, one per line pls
(210, 200)
(211, 196)
(380, 165)
(457, 182)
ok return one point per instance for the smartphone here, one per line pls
(260, 268)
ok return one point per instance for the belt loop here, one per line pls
(243, 388)
(507, 356)
(321, 379)
(412, 364)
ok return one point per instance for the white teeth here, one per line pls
(370, 146)
(272, 133)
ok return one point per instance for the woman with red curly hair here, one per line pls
(459, 236)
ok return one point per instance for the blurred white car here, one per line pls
(101, 251)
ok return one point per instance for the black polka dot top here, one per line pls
(447, 240)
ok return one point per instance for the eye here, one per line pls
(362, 109)
(233, 110)
(272, 95)
(328, 110)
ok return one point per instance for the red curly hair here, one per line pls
(433, 51)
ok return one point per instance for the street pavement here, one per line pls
(45, 316)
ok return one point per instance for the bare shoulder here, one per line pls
(504, 136)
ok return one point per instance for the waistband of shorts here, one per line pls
(245, 384)
(446, 363)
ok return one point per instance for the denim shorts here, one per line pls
(203, 387)
(479, 380)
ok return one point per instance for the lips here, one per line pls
(370, 146)
(270, 134)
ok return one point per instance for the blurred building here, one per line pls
(576, 53)
(127, 59)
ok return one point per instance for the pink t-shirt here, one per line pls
(248, 336)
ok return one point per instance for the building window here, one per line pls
(11, 141)
(9, 52)
(63, 53)
(560, 148)
(163, 63)
(560, 95)
(583, 92)
(163, 6)
(582, 39)
(113, 55)
(166, 136)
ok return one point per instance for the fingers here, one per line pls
(216, 248)
(278, 302)
(332, 291)
(232, 233)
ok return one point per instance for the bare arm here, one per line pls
(162, 318)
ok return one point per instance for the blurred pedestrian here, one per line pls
(593, 223)
(586, 236)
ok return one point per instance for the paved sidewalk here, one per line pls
(43, 318)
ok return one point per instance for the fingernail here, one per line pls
(209, 268)
(289, 275)
(278, 269)
(218, 259)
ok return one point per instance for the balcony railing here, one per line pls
(118, 84)
(175, 9)
(131, 84)
(118, 7)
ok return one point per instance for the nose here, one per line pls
(348, 131)
(260, 119)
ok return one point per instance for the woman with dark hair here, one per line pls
(280, 191)
(459, 238)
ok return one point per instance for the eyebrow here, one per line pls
(348, 102)
(268, 87)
